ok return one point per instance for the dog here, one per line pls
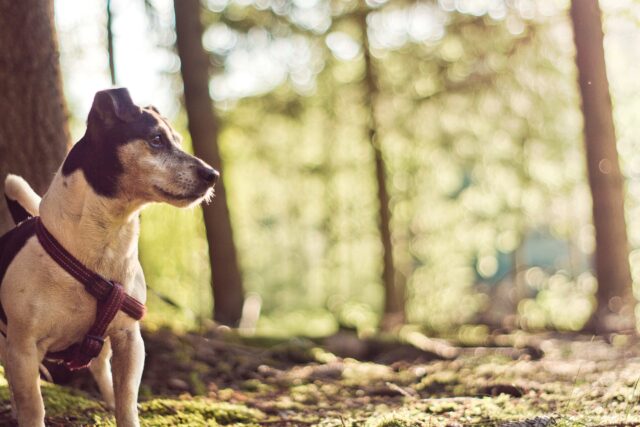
(129, 157)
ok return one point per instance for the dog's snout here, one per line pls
(208, 175)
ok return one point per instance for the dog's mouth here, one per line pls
(183, 196)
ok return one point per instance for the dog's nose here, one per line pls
(208, 175)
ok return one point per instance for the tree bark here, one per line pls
(110, 53)
(394, 298)
(614, 296)
(203, 126)
(34, 137)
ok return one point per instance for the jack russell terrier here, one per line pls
(71, 285)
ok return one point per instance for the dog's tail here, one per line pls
(23, 202)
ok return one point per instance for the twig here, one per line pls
(402, 391)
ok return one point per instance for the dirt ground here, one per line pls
(514, 380)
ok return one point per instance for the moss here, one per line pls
(255, 385)
(438, 382)
(358, 372)
(61, 400)
(145, 392)
(195, 410)
(197, 385)
(441, 407)
(390, 421)
(186, 420)
(65, 406)
(305, 393)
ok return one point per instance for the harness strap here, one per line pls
(94, 283)
(79, 356)
(110, 297)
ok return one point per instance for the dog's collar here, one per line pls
(110, 295)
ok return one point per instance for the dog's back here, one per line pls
(20, 197)
(13, 241)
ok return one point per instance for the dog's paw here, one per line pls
(110, 406)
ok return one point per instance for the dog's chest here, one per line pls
(110, 264)
(113, 254)
(39, 295)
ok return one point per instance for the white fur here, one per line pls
(48, 310)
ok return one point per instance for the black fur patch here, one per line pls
(18, 213)
(98, 162)
(96, 154)
(10, 245)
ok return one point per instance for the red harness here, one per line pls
(109, 294)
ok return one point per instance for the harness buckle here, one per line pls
(91, 346)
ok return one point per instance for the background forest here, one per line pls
(476, 116)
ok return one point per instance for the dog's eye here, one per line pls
(156, 141)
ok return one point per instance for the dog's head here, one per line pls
(132, 153)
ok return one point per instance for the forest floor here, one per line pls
(513, 380)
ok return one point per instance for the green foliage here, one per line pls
(174, 255)
(173, 251)
(478, 120)
(479, 139)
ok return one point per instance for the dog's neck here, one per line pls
(100, 232)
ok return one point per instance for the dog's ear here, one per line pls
(114, 105)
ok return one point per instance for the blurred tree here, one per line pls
(394, 299)
(112, 59)
(476, 141)
(203, 127)
(615, 310)
(33, 119)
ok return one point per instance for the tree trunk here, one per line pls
(394, 299)
(33, 118)
(203, 126)
(110, 53)
(615, 297)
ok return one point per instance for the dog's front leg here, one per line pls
(101, 370)
(127, 364)
(22, 369)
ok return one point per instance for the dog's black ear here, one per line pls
(152, 108)
(114, 105)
